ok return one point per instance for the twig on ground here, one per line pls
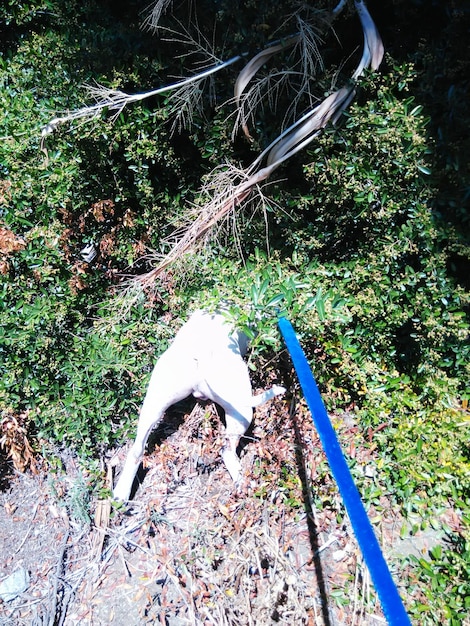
(35, 510)
(57, 577)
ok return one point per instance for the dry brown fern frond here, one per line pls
(14, 440)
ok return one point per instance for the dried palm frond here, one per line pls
(185, 102)
(373, 47)
(194, 42)
(228, 187)
(251, 68)
(300, 135)
(265, 90)
(153, 14)
(289, 142)
(310, 63)
(234, 193)
(339, 7)
(114, 100)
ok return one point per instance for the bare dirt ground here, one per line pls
(190, 549)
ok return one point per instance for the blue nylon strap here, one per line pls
(392, 605)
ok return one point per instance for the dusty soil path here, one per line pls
(189, 549)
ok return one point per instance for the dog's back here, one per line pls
(206, 334)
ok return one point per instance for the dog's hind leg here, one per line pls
(238, 416)
(149, 418)
(230, 387)
(237, 421)
(165, 388)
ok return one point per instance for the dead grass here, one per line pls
(191, 550)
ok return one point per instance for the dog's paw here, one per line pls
(278, 390)
(232, 463)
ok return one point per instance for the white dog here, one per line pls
(205, 359)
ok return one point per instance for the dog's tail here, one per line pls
(276, 390)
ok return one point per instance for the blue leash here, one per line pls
(392, 604)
